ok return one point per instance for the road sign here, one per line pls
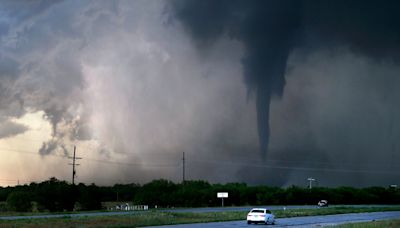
(222, 195)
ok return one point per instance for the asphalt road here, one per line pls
(275, 207)
(308, 221)
(248, 208)
(197, 210)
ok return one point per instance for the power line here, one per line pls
(300, 168)
(375, 164)
(93, 159)
(17, 181)
(174, 165)
(341, 162)
(33, 153)
(249, 163)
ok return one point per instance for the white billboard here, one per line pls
(222, 195)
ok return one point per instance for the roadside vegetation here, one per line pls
(373, 224)
(59, 196)
(156, 217)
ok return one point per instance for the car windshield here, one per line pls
(257, 211)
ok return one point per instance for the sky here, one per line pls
(261, 92)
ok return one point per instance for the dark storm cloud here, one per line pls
(11, 102)
(53, 146)
(8, 68)
(16, 17)
(271, 30)
(118, 79)
(367, 27)
(112, 77)
(48, 147)
(25, 9)
(39, 70)
(339, 111)
(9, 128)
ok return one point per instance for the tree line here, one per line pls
(56, 195)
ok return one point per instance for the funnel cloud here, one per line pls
(271, 30)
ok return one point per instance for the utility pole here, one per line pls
(183, 167)
(73, 165)
(311, 180)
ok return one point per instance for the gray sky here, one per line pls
(130, 86)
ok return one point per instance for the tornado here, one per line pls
(271, 30)
(267, 30)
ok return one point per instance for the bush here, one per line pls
(55, 195)
(19, 201)
(89, 197)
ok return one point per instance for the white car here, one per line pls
(323, 203)
(260, 215)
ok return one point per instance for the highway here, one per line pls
(307, 221)
(271, 207)
(195, 210)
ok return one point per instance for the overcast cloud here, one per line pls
(130, 76)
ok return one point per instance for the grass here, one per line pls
(372, 224)
(154, 217)
(13, 213)
(330, 211)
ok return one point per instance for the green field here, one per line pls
(372, 224)
(154, 217)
